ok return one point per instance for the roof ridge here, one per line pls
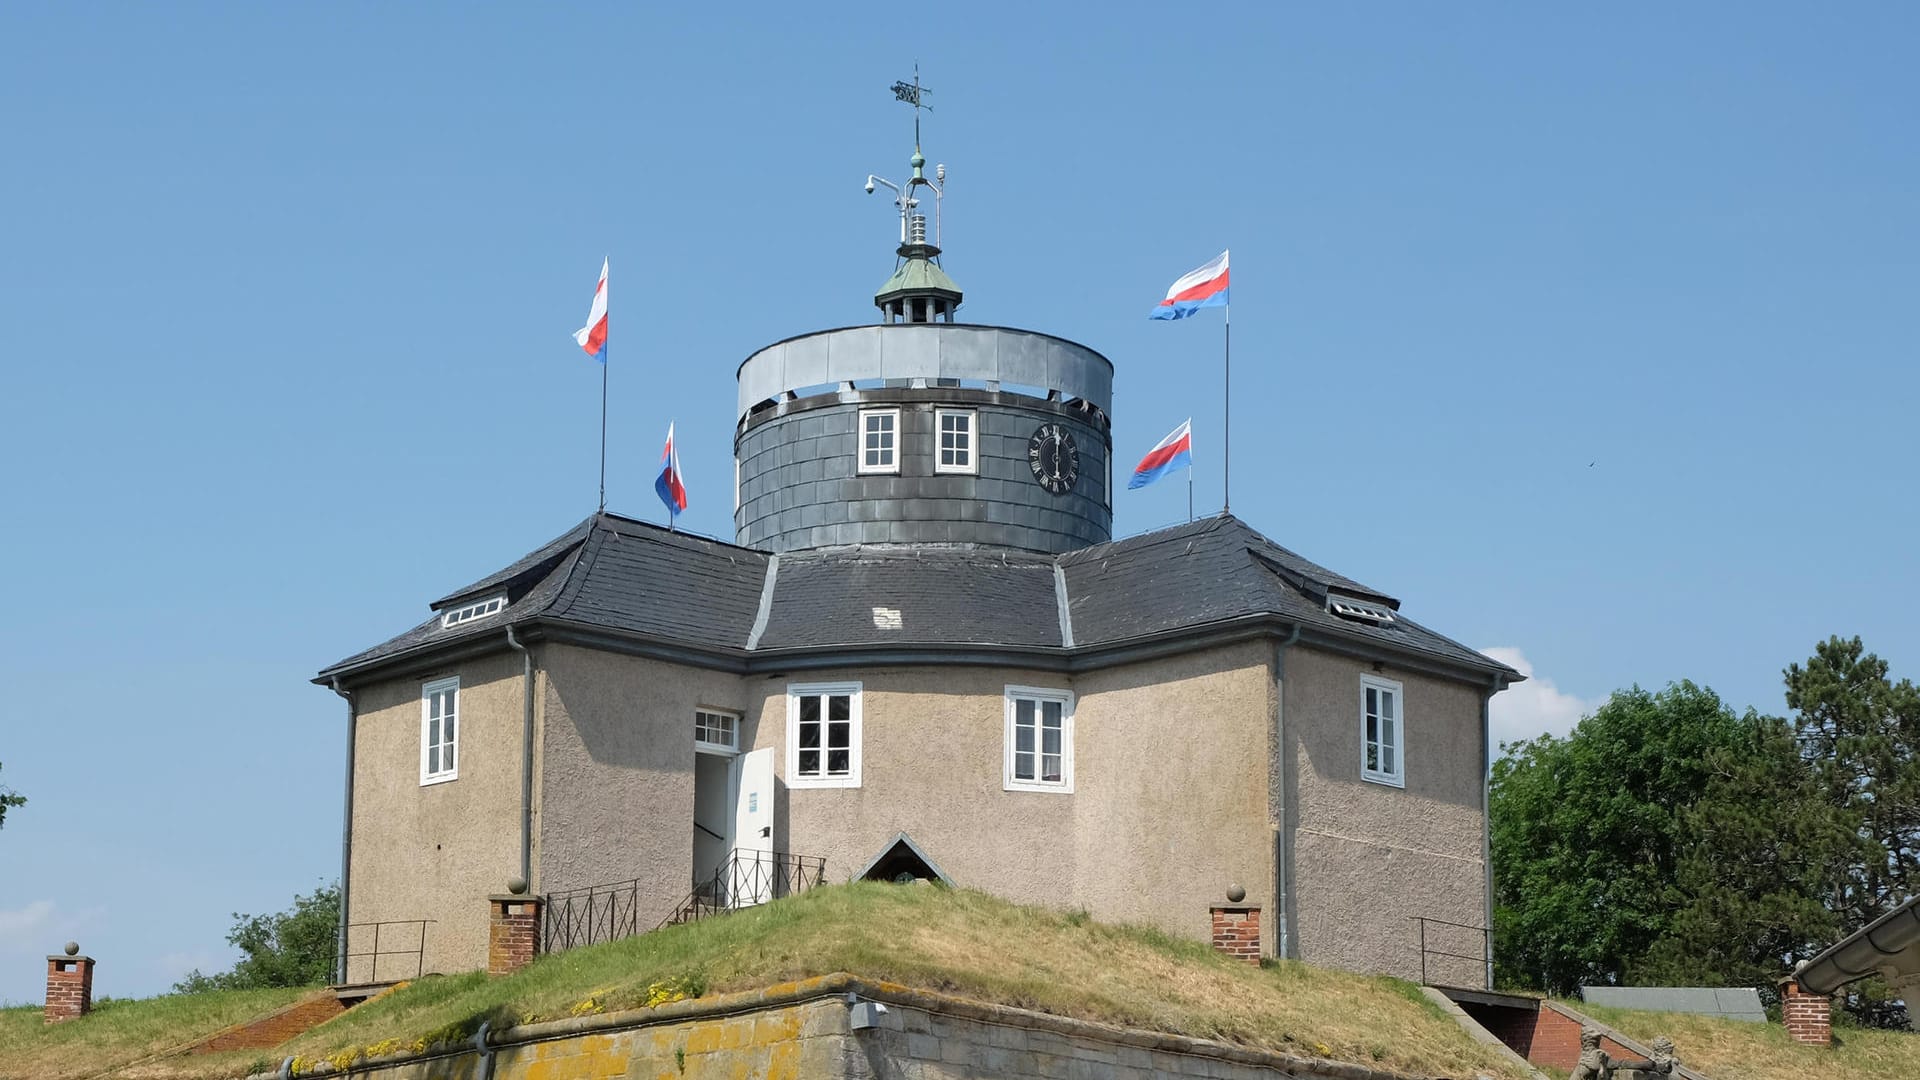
(569, 590)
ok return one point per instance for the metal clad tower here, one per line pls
(922, 430)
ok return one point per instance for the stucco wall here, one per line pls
(1170, 788)
(435, 851)
(617, 759)
(1368, 858)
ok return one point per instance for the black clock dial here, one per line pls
(1054, 458)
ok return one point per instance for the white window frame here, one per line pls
(1397, 776)
(1038, 694)
(428, 691)
(796, 691)
(860, 442)
(478, 609)
(732, 746)
(972, 465)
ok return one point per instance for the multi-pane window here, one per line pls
(716, 730)
(823, 735)
(439, 730)
(879, 440)
(1382, 732)
(479, 609)
(955, 453)
(1039, 754)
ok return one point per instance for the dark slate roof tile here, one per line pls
(944, 597)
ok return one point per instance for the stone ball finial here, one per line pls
(71, 948)
(1235, 893)
(516, 885)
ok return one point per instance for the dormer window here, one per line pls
(1349, 607)
(466, 613)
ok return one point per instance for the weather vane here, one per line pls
(915, 95)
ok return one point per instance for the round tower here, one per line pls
(923, 430)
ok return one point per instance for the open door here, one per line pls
(753, 876)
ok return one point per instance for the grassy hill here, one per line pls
(953, 941)
(118, 1032)
(1731, 1050)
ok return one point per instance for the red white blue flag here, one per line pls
(593, 336)
(1173, 451)
(668, 486)
(1202, 288)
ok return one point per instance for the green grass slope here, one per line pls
(119, 1032)
(952, 941)
(1731, 1050)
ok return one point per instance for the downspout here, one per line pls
(346, 840)
(1283, 938)
(1486, 812)
(526, 760)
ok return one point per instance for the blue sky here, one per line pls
(1587, 333)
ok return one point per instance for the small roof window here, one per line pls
(1350, 607)
(466, 613)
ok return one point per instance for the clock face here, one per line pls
(1054, 458)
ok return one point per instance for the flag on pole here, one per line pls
(1202, 288)
(1172, 452)
(669, 486)
(593, 336)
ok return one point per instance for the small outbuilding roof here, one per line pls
(622, 580)
(1889, 945)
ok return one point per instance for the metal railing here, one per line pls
(590, 915)
(395, 966)
(747, 878)
(1446, 934)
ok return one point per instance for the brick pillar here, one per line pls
(1806, 1015)
(1236, 931)
(513, 933)
(69, 986)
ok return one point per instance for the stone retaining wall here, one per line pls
(806, 1030)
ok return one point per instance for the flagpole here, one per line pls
(1189, 488)
(1226, 455)
(605, 356)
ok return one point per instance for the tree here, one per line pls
(1861, 732)
(289, 948)
(1619, 848)
(8, 800)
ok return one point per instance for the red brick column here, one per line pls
(1807, 1016)
(513, 933)
(1236, 931)
(69, 986)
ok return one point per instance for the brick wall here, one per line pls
(1808, 1017)
(1236, 931)
(1542, 1035)
(513, 933)
(69, 987)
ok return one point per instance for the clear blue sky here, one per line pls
(1588, 334)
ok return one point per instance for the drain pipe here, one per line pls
(346, 837)
(1486, 811)
(1283, 939)
(526, 760)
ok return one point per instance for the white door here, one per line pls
(753, 877)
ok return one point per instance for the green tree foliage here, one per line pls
(289, 948)
(8, 800)
(1619, 849)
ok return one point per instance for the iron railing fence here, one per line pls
(747, 878)
(403, 959)
(590, 915)
(1444, 933)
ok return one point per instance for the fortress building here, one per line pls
(925, 657)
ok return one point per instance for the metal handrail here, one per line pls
(745, 879)
(418, 951)
(1484, 959)
(590, 915)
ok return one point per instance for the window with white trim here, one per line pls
(479, 609)
(439, 730)
(1039, 743)
(1382, 732)
(716, 730)
(955, 452)
(880, 440)
(823, 735)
